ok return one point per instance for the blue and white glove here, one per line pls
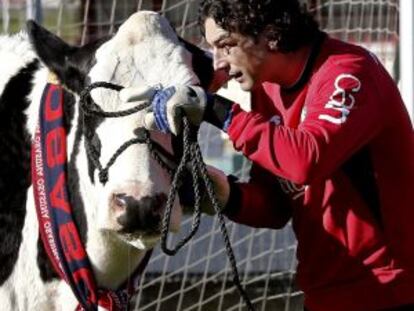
(169, 105)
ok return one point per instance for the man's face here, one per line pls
(242, 57)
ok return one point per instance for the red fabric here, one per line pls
(349, 258)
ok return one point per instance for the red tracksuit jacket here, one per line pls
(342, 147)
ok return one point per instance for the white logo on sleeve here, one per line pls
(342, 99)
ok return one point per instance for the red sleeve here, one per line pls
(343, 112)
(259, 203)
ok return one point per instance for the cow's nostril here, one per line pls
(120, 200)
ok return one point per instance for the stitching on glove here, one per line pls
(159, 104)
(157, 107)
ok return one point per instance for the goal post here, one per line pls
(407, 54)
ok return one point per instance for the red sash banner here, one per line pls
(57, 228)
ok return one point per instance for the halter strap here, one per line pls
(57, 228)
(191, 156)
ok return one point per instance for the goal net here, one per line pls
(199, 277)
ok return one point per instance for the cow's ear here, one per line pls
(71, 64)
(202, 63)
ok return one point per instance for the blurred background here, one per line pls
(199, 278)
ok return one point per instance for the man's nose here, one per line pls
(219, 60)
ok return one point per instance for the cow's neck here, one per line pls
(112, 260)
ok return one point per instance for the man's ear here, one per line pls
(272, 38)
(71, 64)
(202, 63)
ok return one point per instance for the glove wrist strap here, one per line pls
(218, 111)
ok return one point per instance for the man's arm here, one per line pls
(343, 114)
(259, 203)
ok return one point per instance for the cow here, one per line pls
(118, 220)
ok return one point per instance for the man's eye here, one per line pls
(226, 50)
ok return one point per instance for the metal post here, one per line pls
(6, 15)
(407, 54)
(34, 10)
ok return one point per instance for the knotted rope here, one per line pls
(192, 158)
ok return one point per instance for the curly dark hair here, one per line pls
(284, 20)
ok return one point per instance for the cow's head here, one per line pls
(145, 51)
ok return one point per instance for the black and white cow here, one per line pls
(145, 50)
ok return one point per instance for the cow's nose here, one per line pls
(142, 214)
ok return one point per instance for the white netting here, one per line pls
(198, 278)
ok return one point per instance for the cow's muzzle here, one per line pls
(140, 215)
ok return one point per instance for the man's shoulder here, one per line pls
(340, 47)
(337, 53)
(343, 58)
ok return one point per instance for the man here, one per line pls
(332, 148)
